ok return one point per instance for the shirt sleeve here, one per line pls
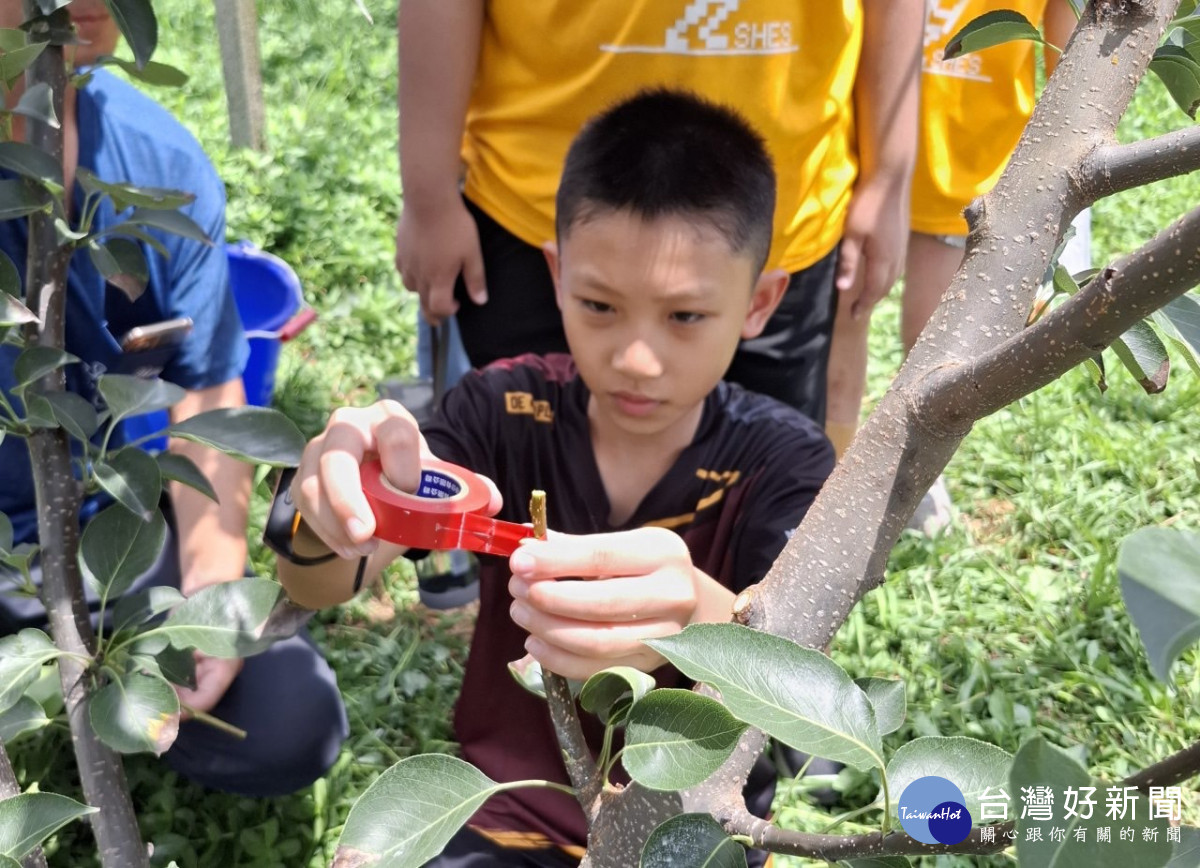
(781, 493)
(197, 278)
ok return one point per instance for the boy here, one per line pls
(671, 490)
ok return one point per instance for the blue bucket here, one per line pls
(268, 296)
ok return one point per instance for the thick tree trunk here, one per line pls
(58, 502)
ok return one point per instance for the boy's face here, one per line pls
(653, 311)
(92, 23)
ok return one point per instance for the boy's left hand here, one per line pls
(637, 584)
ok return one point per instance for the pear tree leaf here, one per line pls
(35, 362)
(991, 29)
(1179, 322)
(152, 72)
(31, 162)
(22, 656)
(26, 716)
(182, 469)
(14, 62)
(675, 739)
(136, 609)
(127, 195)
(229, 619)
(411, 811)
(134, 396)
(888, 699)
(118, 546)
(971, 765)
(797, 695)
(122, 263)
(1144, 356)
(601, 692)
(137, 23)
(28, 819)
(1180, 73)
(38, 103)
(257, 434)
(175, 222)
(74, 413)
(136, 713)
(1160, 583)
(133, 479)
(692, 839)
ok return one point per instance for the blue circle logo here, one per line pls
(933, 811)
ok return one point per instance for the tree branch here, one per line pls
(1174, 769)
(1112, 168)
(1131, 289)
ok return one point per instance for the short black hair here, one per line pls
(670, 152)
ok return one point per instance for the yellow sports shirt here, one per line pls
(973, 110)
(545, 67)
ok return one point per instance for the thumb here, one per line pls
(849, 260)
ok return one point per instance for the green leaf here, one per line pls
(1040, 764)
(411, 811)
(35, 362)
(1160, 583)
(122, 263)
(174, 222)
(13, 312)
(134, 396)
(136, 609)
(971, 765)
(31, 162)
(132, 477)
(74, 413)
(888, 699)
(225, 620)
(9, 862)
(1179, 321)
(257, 434)
(153, 72)
(30, 818)
(20, 197)
(795, 694)
(601, 692)
(38, 103)
(177, 665)
(1144, 356)
(141, 235)
(692, 839)
(26, 716)
(38, 412)
(183, 470)
(6, 534)
(990, 29)
(127, 195)
(528, 673)
(136, 713)
(1186, 853)
(21, 659)
(138, 25)
(675, 739)
(878, 862)
(117, 547)
(1180, 73)
(14, 62)
(1095, 369)
(11, 39)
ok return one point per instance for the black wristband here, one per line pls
(282, 522)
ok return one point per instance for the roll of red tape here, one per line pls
(446, 512)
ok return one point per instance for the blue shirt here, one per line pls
(126, 136)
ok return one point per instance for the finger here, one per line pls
(342, 502)
(309, 497)
(849, 254)
(587, 638)
(581, 667)
(400, 446)
(664, 594)
(624, 553)
(473, 274)
(438, 300)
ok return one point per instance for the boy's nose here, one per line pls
(638, 360)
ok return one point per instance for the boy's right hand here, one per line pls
(434, 244)
(327, 488)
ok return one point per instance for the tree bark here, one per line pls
(58, 502)
(839, 552)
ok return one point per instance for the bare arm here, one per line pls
(436, 238)
(1059, 23)
(212, 536)
(886, 92)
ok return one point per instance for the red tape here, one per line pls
(445, 513)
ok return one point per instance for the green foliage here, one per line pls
(118, 546)
(609, 693)
(692, 839)
(22, 656)
(26, 820)
(133, 479)
(887, 698)
(256, 434)
(974, 766)
(1039, 764)
(1180, 73)
(180, 468)
(229, 619)
(676, 738)
(135, 711)
(991, 29)
(406, 817)
(133, 396)
(24, 717)
(1160, 583)
(138, 25)
(794, 694)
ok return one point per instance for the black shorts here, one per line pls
(788, 361)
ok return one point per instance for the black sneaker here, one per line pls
(447, 580)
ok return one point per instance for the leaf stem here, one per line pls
(605, 747)
(214, 722)
(887, 802)
(849, 815)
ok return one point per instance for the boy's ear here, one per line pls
(768, 291)
(550, 251)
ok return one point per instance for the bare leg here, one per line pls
(930, 267)
(847, 378)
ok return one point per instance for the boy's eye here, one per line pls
(595, 306)
(686, 317)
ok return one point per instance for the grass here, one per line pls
(1009, 625)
